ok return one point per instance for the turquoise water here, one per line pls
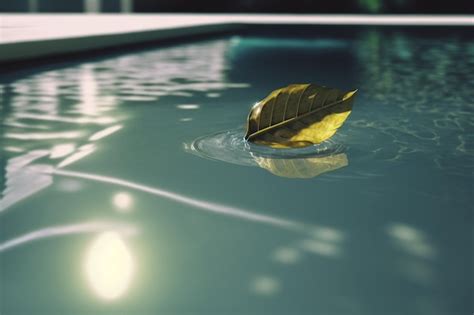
(127, 187)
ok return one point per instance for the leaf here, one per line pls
(303, 167)
(298, 115)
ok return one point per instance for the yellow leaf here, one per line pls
(298, 115)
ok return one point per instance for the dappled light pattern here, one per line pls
(105, 132)
(61, 150)
(423, 87)
(41, 119)
(411, 241)
(265, 285)
(188, 106)
(22, 179)
(81, 153)
(44, 135)
(417, 253)
(286, 255)
(413, 100)
(327, 234)
(324, 241)
(123, 201)
(321, 248)
(62, 110)
(384, 227)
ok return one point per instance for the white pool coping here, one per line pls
(27, 36)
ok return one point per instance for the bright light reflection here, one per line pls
(83, 151)
(328, 234)
(61, 150)
(411, 240)
(266, 285)
(321, 248)
(105, 132)
(123, 201)
(44, 135)
(188, 106)
(403, 232)
(88, 91)
(287, 255)
(109, 266)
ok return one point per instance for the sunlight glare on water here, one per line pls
(109, 266)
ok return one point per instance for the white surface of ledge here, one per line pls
(25, 36)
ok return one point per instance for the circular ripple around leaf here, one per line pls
(230, 146)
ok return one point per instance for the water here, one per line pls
(127, 187)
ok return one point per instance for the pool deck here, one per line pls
(31, 36)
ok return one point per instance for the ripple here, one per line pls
(231, 147)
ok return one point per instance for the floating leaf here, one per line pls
(298, 115)
(303, 167)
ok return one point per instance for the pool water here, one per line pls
(127, 187)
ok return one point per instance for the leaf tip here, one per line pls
(350, 94)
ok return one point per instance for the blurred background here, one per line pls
(257, 6)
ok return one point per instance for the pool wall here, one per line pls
(33, 36)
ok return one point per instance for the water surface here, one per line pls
(126, 186)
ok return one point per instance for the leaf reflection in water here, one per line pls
(231, 147)
(303, 167)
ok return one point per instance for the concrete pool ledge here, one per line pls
(31, 36)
